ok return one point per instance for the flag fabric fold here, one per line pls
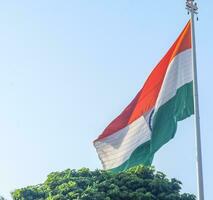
(150, 120)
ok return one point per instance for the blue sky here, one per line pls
(67, 68)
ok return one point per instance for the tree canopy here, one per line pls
(137, 183)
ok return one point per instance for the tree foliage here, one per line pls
(137, 183)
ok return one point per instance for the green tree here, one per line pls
(137, 183)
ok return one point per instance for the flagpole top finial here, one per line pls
(192, 7)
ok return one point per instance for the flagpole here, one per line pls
(192, 8)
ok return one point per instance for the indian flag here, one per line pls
(150, 120)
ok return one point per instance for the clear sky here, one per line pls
(67, 68)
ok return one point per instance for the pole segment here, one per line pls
(191, 6)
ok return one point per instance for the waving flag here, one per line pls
(150, 120)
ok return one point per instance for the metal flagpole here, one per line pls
(192, 8)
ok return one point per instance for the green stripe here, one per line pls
(164, 127)
(140, 155)
(165, 120)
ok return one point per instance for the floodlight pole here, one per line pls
(192, 8)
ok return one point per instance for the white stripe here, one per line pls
(117, 148)
(178, 74)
